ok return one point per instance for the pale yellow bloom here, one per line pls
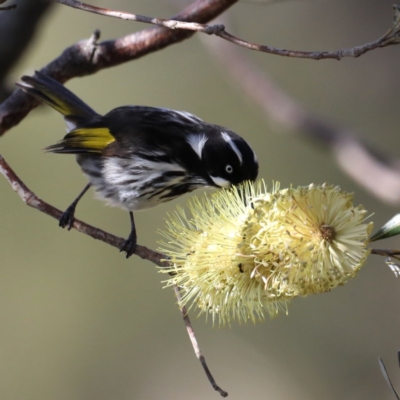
(245, 251)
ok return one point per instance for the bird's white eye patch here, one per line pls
(229, 169)
(197, 143)
(231, 143)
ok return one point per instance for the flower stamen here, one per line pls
(327, 232)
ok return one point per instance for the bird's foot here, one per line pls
(129, 247)
(67, 219)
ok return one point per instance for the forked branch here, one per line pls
(88, 56)
(29, 198)
(389, 38)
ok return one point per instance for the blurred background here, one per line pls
(79, 321)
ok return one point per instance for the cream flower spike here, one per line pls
(246, 251)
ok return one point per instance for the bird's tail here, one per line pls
(86, 132)
(57, 96)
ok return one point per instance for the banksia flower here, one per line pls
(246, 251)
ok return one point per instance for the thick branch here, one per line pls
(80, 59)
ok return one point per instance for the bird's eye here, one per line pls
(229, 169)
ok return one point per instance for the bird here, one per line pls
(136, 157)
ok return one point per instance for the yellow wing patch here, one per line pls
(95, 139)
(84, 140)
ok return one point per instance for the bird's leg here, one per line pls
(130, 244)
(67, 219)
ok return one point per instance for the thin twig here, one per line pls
(390, 38)
(195, 345)
(387, 377)
(386, 252)
(166, 23)
(29, 198)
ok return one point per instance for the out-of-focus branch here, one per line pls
(390, 38)
(87, 57)
(17, 29)
(8, 7)
(370, 168)
(29, 198)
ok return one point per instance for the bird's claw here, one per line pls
(129, 247)
(67, 219)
